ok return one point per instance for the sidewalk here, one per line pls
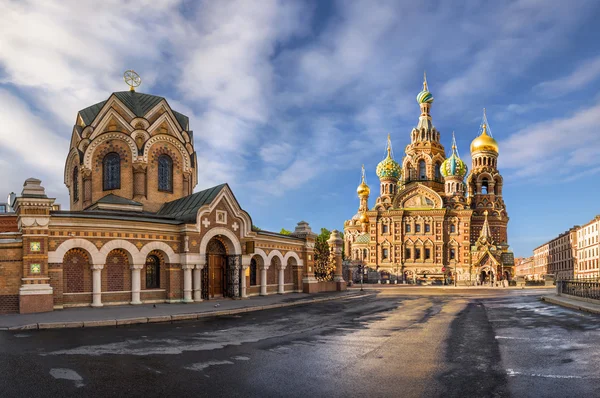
(150, 313)
(572, 303)
(375, 286)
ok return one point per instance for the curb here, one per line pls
(561, 303)
(171, 318)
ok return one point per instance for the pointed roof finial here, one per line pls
(485, 235)
(363, 174)
(425, 81)
(485, 126)
(389, 146)
(453, 142)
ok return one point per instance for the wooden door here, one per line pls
(216, 266)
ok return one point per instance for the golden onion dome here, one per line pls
(364, 219)
(484, 143)
(363, 190)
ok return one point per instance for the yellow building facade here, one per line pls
(428, 224)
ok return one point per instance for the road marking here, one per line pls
(241, 358)
(67, 374)
(513, 373)
(200, 366)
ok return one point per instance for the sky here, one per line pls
(287, 99)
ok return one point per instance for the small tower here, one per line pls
(484, 185)
(389, 172)
(454, 170)
(484, 178)
(363, 192)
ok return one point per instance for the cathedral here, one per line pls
(429, 225)
(135, 231)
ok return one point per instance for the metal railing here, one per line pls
(578, 288)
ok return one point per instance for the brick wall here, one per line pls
(11, 268)
(77, 275)
(9, 304)
(117, 266)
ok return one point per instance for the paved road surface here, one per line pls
(422, 342)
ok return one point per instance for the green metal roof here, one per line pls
(139, 103)
(364, 238)
(111, 198)
(185, 209)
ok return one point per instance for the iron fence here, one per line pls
(578, 288)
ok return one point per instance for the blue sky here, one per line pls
(287, 98)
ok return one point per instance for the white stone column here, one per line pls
(280, 289)
(136, 283)
(198, 282)
(263, 281)
(246, 260)
(97, 285)
(187, 283)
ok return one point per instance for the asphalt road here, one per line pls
(397, 343)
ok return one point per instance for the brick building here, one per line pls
(587, 250)
(524, 267)
(135, 231)
(427, 223)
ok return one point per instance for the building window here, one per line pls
(75, 184)
(2, 209)
(422, 170)
(406, 253)
(484, 186)
(112, 171)
(253, 272)
(427, 228)
(427, 254)
(152, 272)
(417, 254)
(365, 252)
(418, 228)
(452, 228)
(165, 173)
(452, 254)
(385, 253)
(407, 228)
(384, 229)
(438, 176)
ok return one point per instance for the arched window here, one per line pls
(365, 254)
(75, 184)
(165, 173)
(452, 228)
(112, 171)
(438, 175)
(152, 272)
(253, 269)
(484, 186)
(422, 170)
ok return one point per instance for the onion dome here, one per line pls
(363, 189)
(364, 219)
(388, 167)
(484, 142)
(453, 166)
(425, 96)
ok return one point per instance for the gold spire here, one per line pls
(425, 81)
(485, 141)
(389, 146)
(485, 236)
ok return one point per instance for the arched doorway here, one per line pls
(216, 259)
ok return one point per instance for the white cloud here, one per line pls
(583, 74)
(562, 146)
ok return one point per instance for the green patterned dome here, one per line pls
(425, 96)
(388, 167)
(363, 238)
(453, 166)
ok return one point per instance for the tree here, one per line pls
(255, 228)
(285, 232)
(324, 267)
